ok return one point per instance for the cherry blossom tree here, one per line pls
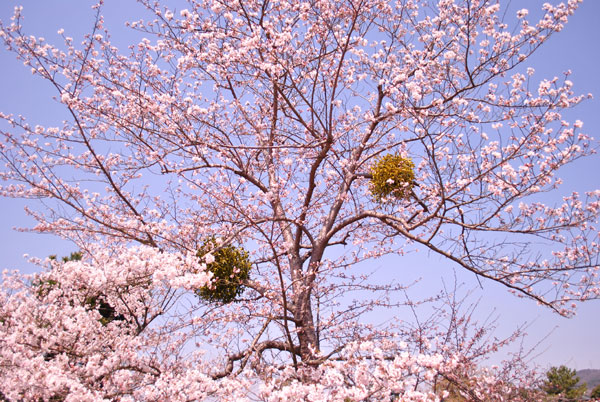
(306, 138)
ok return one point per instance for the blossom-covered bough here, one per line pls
(258, 126)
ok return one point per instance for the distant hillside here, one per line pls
(589, 376)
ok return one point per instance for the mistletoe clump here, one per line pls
(230, 267)
(392, 176)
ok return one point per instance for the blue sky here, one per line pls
(573, 342)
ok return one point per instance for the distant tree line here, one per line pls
(562, 384)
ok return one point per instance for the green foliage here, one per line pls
(392, 176)
(44, 287)
(230, 268)
(107, 312)
(562, 381)
(595, 392)
(75, 256)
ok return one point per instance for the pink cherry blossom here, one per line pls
(258, 125)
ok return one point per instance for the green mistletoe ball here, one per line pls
(392, 177)
(230, 267)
